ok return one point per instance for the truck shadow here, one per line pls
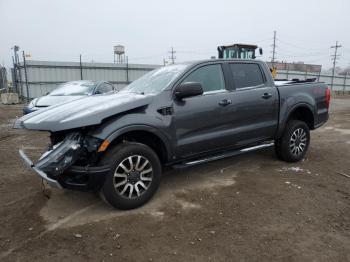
(69, 208)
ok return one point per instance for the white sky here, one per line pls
(62, 29)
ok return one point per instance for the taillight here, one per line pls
(328, 97)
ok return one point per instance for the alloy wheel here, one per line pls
(298, 141)
(133, 176)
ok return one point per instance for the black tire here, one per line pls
(115, 157)
(284, 146)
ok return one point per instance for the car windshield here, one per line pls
(156, 80)
(74, 89)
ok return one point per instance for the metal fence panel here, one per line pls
(340, 82)
(3, 78)
(45, 76)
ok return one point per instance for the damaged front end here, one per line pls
(70, 162)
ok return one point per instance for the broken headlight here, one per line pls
(62, 155)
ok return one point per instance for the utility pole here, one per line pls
(274, 49)
(127, 69)
(17, 68)
(345, 77)
(172, 57)
(25, 74)
(14, 78)
(81, 68)
(334, 58)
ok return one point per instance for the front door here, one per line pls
(201, 121)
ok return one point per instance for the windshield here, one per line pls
(74, 89)
(156, 80)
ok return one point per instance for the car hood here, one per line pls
(91, 110)
(54, 100)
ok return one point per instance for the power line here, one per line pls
(286, 50)
(287, 53)
(321, 58)
(299, 47)
(195, 52)
(264, 40)
(334, 57)
(310, 55)
(300, 42)
(172, 57)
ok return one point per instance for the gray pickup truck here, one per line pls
(179, 115)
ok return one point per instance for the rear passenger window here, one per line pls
(246, 75)
(210, 76)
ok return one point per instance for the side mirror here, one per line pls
(260, 51)
(188, 89)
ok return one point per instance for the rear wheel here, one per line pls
(293, 144)
(134, 176)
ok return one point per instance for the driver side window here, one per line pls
(210, 76)
(104, 88)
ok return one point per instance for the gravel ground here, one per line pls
(246, 208)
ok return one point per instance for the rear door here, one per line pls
(254, 113)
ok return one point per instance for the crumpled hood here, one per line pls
(54, 100)
(82, 112)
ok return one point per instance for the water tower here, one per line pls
(119, 50)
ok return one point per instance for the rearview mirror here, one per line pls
(188, 89)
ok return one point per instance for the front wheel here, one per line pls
(134, 176)
(293, 144)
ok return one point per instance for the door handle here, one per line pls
(266, 96)
(225, 102)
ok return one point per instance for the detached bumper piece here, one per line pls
(43, 175)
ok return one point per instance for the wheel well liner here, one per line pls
(145, 137)
(303, 113)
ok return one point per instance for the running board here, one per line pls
(221, 156)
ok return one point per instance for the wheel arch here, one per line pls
(144, 134)
(302, 112)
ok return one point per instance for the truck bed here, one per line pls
(311, 95)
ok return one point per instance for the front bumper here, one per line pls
(43, 175)
(80, 178)
(56, 166)
(74, 178)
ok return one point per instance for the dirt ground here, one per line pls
(246, 208)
